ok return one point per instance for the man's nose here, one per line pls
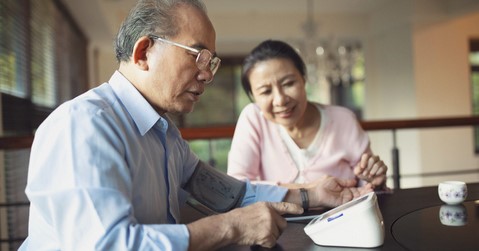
(205, 76)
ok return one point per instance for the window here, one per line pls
(42, 53)
(474, 62)
(221, 104)
(222, 100)
(42, 63)
(13, 47)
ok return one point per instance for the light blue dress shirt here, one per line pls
(106, 172)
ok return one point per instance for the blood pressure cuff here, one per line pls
(215, 189)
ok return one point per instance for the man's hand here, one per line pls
(371, 169)
(257, 224)
(332, 192)
(261, 223)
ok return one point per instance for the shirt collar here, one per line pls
(142, 113)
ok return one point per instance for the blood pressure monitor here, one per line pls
(357, 223)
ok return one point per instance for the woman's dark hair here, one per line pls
(266, 50)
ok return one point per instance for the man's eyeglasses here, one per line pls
(205, 60)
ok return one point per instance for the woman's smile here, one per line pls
(285, 113)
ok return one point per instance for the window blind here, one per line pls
(43, 38)
(14, 47)
(43, 62)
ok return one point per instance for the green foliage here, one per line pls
(214, 152)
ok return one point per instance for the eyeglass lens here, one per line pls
(206, 61)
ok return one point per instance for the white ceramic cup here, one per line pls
(453, 215)
(452, 192)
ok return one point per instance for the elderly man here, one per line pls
(108, 169)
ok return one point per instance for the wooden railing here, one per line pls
(217, 132)
(227, 131)
(16, 142)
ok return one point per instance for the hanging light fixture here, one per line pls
(328, 60)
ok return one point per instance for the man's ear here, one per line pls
(139, 55)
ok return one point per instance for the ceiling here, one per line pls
(100, 19)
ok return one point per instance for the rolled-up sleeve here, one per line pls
(261, 192)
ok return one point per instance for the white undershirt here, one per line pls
(301, 156)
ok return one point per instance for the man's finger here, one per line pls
(286, 208)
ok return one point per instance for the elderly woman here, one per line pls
(282, 138)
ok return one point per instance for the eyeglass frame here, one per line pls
(211, 58)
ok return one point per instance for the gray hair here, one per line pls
(146, 18)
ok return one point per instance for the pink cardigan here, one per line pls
(259, 154)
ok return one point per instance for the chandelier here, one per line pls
(329, 61)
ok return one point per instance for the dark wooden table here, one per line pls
(411, 220)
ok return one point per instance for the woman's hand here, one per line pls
(372, 169)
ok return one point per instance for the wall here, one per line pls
(102, 63)
(444, 89)
(390, 86)
(417, 67)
